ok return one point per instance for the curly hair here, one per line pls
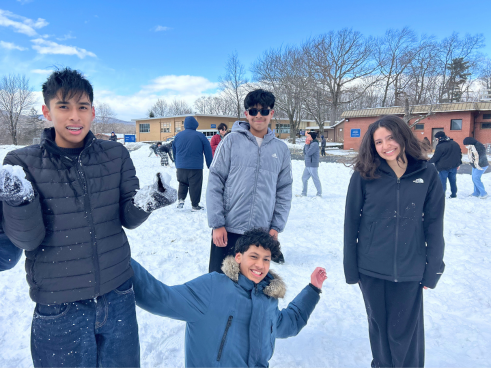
(368, 160)
(259, 238)
(69, 83)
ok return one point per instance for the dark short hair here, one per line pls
(222, 126)
(259, 238)
(313, 135)
(259, 97)
(69, 84)
(368, 160)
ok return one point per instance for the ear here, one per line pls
(93, 114)
(272, 113)
(46, 112)
(238, 258)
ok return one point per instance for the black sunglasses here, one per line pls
(254, 111)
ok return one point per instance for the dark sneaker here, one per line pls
(180, 205)
(453, 196)
(197, 208)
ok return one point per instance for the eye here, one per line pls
(253, 257)
(83, 107)
(267, 260)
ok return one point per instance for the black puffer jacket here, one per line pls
(393, 228)
(481, 151)
(84, 204)
(448, 155)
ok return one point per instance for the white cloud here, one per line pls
(42, 71)
(184, 87)
(50, 47)
(161, 28)
(11, 46)
(21, 24)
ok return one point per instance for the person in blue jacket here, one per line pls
(232, 318)
(188, 149)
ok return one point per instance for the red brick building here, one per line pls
(457, 120)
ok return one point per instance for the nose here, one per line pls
(74, 115)
(259, 264)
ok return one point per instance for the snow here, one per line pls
(25, 187)
(174, 245)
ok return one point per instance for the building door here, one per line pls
(434, 141)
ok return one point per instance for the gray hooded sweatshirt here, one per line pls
(249, 186)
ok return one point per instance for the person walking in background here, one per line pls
(389, 251)
(311, 154)
(323, 145)
(188, 148)
(113, 137)
(477, 157)
(217, 138)
(447, 159)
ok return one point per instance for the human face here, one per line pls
(71, 119)
(222, 132)
(254, 264)
(385, 144)
(259, 124)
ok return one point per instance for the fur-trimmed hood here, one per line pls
(275, 289)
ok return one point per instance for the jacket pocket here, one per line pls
(125, 288)
(224, 338)
(368, 238)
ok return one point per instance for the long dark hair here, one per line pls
(368, 160)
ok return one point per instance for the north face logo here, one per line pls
(418, 181)
(274, 155)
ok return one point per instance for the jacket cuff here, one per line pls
(316, 289)
(276, 229)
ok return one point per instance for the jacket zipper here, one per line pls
(255, 181)
(397, 229)
(90, 220)
(224, 337)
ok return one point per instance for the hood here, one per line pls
(245, 128)
(444, 139)
(413, 166)
(469, 141)
(273, 285)
(191, 123)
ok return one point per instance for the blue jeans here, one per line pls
(88, 333)
(452, 178)
(479, 190)
(311, 172)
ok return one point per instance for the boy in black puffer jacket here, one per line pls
(65, 202)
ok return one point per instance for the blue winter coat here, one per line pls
(231, 322)
(311, 152)
(189, 145)
(9, 253)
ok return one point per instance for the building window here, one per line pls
(419, 127)
(485, 125)
(165, 127)
(178, 126)
(456, 124)
(144, 128)
(283, 128)
(486, 116)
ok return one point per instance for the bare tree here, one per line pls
(215, 105)
(16, 98)
(232, 84)
(282, 72)
(179, 107)
(104, 116)
(339, 61)
(160, 108)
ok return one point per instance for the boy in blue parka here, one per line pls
(232, 318)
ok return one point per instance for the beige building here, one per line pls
(159, 129)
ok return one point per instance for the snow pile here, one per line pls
(174, 246)
(16, 184)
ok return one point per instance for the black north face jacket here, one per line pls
(393, 228)
(72, 232)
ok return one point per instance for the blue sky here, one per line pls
(135, 52)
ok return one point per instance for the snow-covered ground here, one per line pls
(174, 245)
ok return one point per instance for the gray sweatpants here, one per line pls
(311, 172)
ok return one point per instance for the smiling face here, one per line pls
(385, 144)
(254, 263)
(71, 119)
(259, 124)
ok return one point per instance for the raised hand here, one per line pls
(15, 189)
(318, 277)
(155, 196)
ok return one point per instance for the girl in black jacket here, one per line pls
(393, 239)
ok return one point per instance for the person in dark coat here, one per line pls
(232, 319)
(113, 137)
(153, 149)
(479, 161)
(447, 159)
(217, 138)
(323, 145)
(393, 239)
(188, 148)
(65, 202)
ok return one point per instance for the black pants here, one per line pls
(191, 179)
(323, 151)
(218, 254)
(395, 321)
